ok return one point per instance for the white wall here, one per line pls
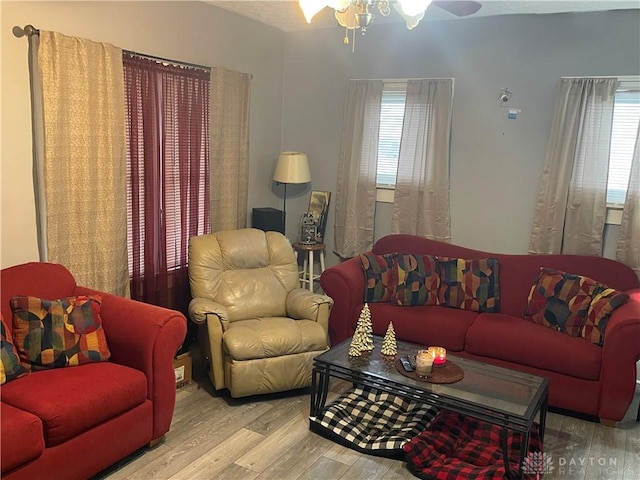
(188, 31)
(495, 162)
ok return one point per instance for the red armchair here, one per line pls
(73, 422)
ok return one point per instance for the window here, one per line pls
(168, 175)
(626, 117)
(391, 120)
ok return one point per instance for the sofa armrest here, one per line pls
(145, 337)
(344, 283)
(302, 303)
(620, 353)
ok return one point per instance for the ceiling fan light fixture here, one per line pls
(413, 8)
(311, 7)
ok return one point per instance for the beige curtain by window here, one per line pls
(628, 251)
(356, 186)
(84, 159)
(229, 146)
(571, 205)
(421, 203)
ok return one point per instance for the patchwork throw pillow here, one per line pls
(59, 333)
(470, 284)
(379, 276)
(417, 280)
(560, 300)
(10, 367)
(604, 302)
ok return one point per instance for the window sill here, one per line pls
(384, 194)
(614, 215)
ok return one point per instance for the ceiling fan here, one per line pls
(357, 14)
(354, 14)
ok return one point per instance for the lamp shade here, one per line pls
(292, 167)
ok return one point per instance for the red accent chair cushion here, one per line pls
(22, 438)
(71, 400)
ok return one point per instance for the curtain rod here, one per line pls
(29, 30)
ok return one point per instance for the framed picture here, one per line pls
(319, 208)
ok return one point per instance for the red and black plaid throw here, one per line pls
(456, 447)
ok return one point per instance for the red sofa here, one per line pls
(584, 377)
(73, 422)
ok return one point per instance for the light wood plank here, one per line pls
(218, 458)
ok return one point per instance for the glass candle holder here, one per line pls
(439, 355)
(424, 363)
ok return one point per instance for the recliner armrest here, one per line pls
(199, 308)
(303, 304)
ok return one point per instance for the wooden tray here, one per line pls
(447, 373)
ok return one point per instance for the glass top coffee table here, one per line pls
(501, 396)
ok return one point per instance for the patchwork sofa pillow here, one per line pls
(10, 367)
(418, 280)
(560, 300)
(470, 284)
(379, 276)
(604, 301)
(59, 333)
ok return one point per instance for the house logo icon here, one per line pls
(537, 463)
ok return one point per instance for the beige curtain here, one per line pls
(229, 146)
(571, 205)
(628, 251)
(421, 201)
(356, 186)
(85, 159)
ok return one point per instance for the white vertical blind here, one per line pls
(626, 117)
(391, 121)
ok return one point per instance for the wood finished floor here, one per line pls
(216, 437)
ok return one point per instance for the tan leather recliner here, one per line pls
(259, 331)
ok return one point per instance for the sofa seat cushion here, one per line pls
(523, 342)
(21, 436)
(71, 400)
(428, 325)
(273, 337)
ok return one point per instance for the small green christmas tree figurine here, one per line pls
(389, 344)
(364, 323)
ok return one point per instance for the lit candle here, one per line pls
(439, 354)
(424, 362)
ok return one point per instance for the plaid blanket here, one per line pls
(456, 447)
(375, 422)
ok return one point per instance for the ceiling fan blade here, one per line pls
(460, 8)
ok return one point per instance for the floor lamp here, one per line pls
(292, 167)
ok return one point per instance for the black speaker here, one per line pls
(268, 219)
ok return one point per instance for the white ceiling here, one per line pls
(287, 16)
